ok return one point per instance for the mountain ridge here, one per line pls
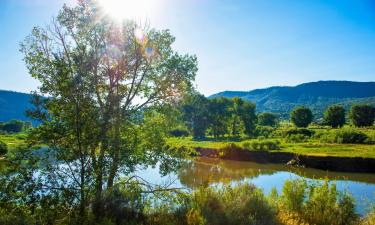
(316, 95)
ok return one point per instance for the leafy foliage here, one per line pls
(362, 115)
(344, 136)
(195, 112)
(3, 148)
(267, 119)
(107, 84)
(14, 126)
(334, 116)
(301, 116)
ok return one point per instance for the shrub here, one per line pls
(334, 116)
(345, 136)
(302, 131)
(301, 116)
(362, 115)
(3, 148)
(261, 145)
(265, 131)
(293, 195)
(317, 203)
(242, 204)
(179, 132)
(369, 219)
(296, 138)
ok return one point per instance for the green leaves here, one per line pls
(301, 116)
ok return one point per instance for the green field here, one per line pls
(307, 148)
(13, 140)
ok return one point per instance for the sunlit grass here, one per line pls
(312, 148)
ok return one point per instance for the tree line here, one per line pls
(234, 116)
(14, 126)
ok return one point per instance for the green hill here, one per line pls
(13, 105)
(316, 95)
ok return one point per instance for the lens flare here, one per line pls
(129, 9)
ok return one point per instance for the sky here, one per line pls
(240, 44)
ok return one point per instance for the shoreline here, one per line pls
(332, 163)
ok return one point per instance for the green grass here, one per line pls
(313, 148)
(13, 140)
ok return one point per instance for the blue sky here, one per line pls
(241, 45)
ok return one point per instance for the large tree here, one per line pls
(99, 76)
(196, 115)
(334, 116)
(301, 116)
(267, 119)
(248, 117)
(362, 115)
(219, 115)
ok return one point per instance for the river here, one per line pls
(209, 171)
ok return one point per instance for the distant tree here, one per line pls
(195, 113)
(334, 116)
(235, 111)
(3, 148)
(13, 126)
(248, 117)
(362, 115)
(219, 115)
(267, 119)
(301, 116)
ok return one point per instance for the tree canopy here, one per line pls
(362, 115)
(102, 79)
(334, 116)
(301, 116)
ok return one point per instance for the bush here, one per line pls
(344, 136)
(242, 204)
(296, 138)
(179, 132)
(362, 115)
(317, 203)
(369, 219)
(3, 148)
(265, 131)
(262, 145)
(302, 131)
(301, 116)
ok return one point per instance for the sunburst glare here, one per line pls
(130, 9)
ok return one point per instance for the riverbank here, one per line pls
(334, 157)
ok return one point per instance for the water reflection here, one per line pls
(205, 171)
(209, 171)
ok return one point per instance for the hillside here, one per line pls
(13, 105)
(316, 95)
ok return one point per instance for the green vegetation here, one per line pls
(3, 148)
(334, 116)
(301, 116)
(116, 93)
(14, 126)
(318, 96)
(298, 203)
(362, 115)
(267, 119)
(317, 141)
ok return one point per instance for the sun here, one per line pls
(129, 9)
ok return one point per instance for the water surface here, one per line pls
(208, 171)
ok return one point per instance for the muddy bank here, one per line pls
(342, 164)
